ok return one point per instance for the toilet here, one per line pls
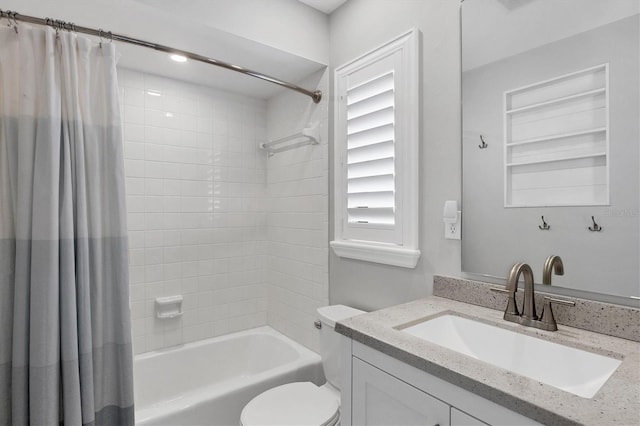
(304, 403)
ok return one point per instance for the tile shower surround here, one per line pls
(241, 236)
(297, 219)
(195, 183)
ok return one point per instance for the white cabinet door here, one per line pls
(458, 418)
(383, 400)
(415, 380)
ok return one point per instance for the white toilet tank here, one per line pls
(330, 340)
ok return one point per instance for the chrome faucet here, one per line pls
(552, 264)
(528, 317)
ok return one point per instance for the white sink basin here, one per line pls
(573, 370)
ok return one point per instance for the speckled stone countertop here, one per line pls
(606, 318)
(616, 403)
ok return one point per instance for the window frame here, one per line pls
(398, 244)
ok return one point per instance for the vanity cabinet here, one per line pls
(381, 399)
(458, 418)
(380, 390)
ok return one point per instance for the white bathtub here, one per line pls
(208, 382)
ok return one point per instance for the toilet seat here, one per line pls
(301, 403)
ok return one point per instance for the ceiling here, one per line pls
(325, 6)
(188, 32)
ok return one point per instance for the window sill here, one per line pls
(388, 255)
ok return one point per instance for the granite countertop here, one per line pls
(616, 403)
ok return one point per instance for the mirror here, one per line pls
(551, 113)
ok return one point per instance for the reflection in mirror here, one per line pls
(551, 89)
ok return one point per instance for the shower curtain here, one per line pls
(65, 340)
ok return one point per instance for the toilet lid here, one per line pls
(298, 404)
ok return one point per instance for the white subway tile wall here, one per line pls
(195, 181)
(297, 224)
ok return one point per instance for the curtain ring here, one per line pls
(110, 37)
(7, 15)
(15, 22)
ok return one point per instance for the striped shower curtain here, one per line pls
(65, 340)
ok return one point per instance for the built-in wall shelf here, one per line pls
(556, 141)
(550, 160)
(553, 137)
(557, 101)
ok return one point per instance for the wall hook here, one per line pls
(595, 227)
(545, 226)
(484, 144)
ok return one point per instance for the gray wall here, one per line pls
(356, 28)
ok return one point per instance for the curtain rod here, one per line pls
(316, 95)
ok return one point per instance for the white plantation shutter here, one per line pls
(371, 152)
(376, 155)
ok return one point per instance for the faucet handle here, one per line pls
(559, 301)
(512, 308)
(547, 320)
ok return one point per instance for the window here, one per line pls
(376, 155)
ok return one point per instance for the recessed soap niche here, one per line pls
(556, 141)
